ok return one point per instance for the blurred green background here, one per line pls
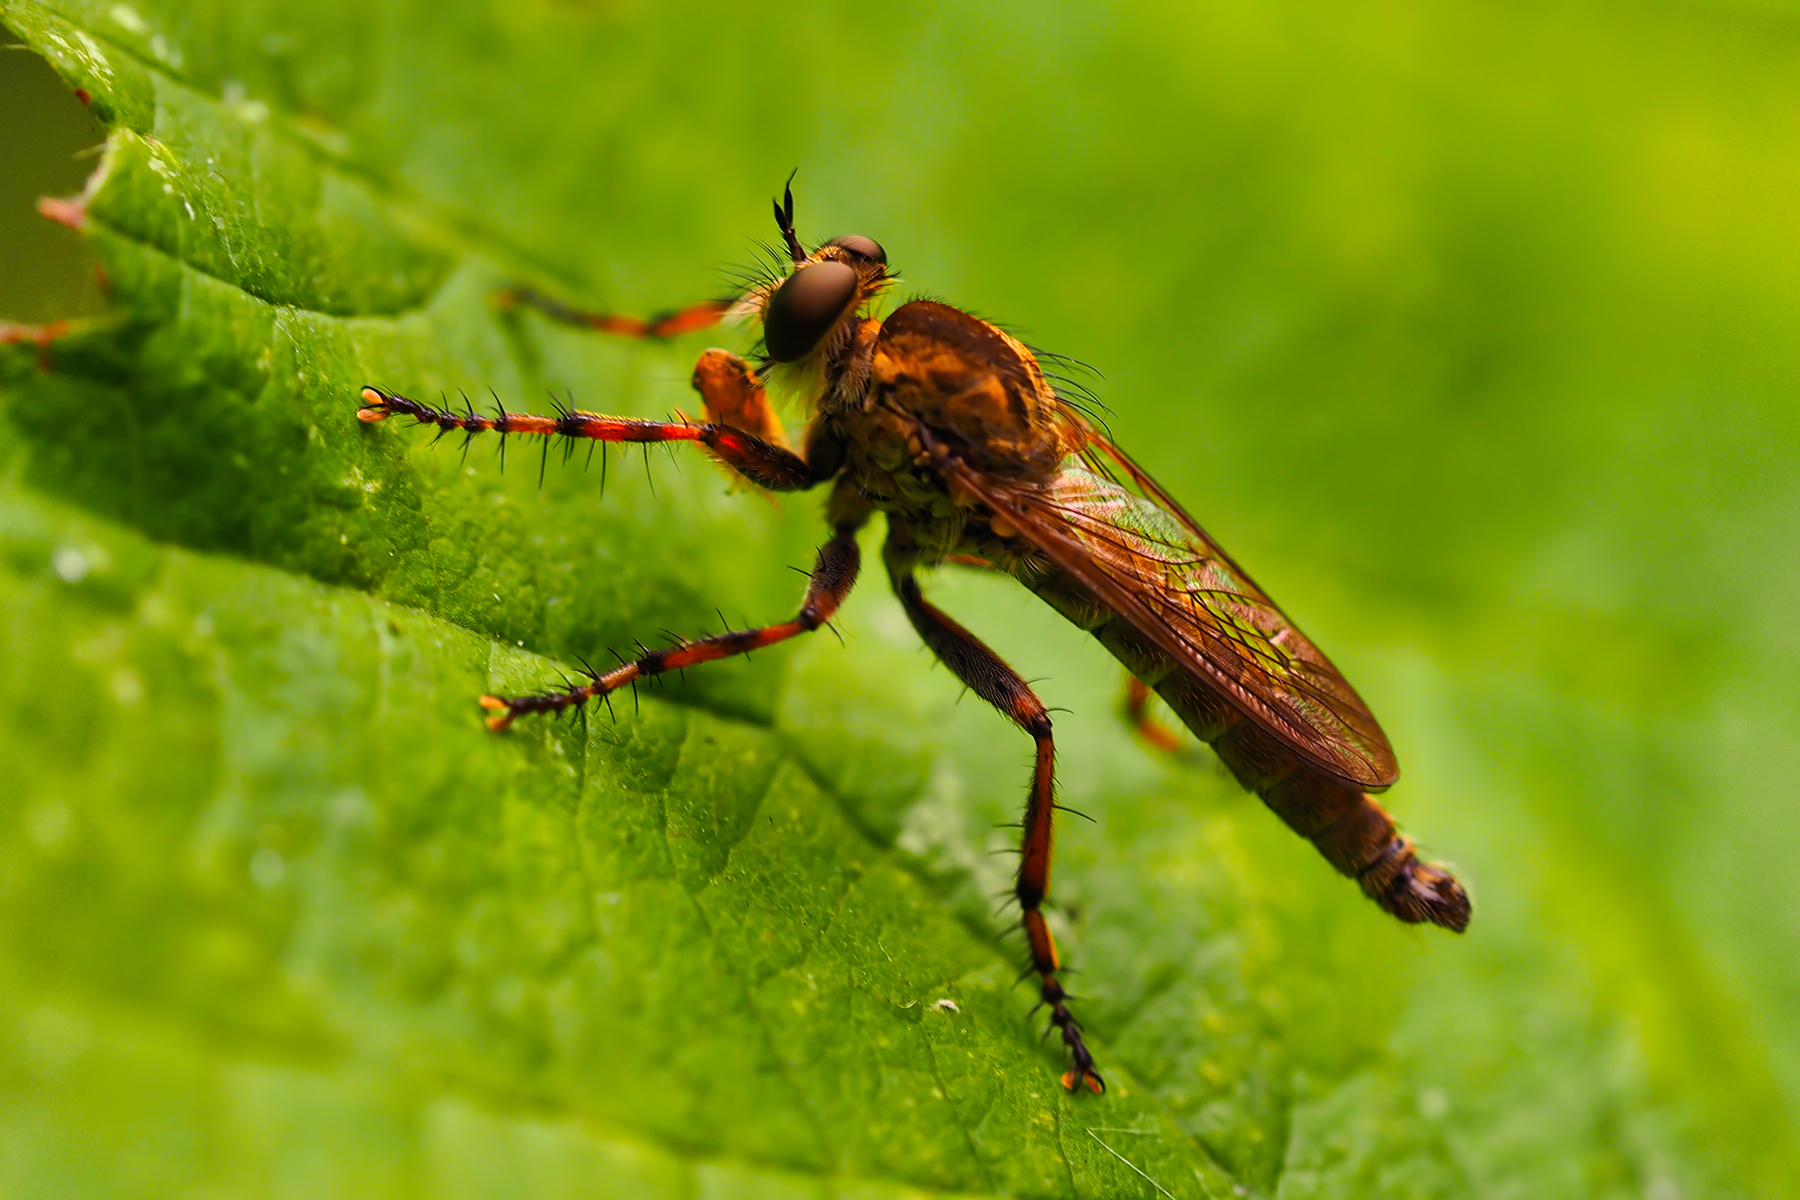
(49, 144)
(1468, 328)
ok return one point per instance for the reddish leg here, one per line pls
(832, 578)
(1137, 711)
(763, 463)
(38, 335)
(691, 319)
(988, 676)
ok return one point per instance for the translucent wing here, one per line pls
(1138, 553)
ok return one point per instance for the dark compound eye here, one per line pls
(867, 247)
(805, 307)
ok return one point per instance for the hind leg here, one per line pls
(988, 676)
(1137, 711)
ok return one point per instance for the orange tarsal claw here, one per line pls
(1089, 1079)
(374, 406)
(501, 719)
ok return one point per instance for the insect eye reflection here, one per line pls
(805, 307)
(868, 248)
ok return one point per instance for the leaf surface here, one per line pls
(279, 916)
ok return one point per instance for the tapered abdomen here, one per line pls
(1352, 831)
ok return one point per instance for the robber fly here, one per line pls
(947, 426)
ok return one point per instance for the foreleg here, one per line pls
(734, 396)
(691, 319)
(729, 389)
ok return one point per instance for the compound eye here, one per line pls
(805, 307)
(867, 247)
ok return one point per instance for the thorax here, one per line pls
(933, 374)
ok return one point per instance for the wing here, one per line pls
(1137, 552)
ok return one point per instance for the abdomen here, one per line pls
(1345, 824)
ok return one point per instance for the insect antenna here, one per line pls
(784, 219)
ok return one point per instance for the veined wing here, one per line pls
(1143, 557)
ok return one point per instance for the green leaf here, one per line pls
(278, 916)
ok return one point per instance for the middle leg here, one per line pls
(988, 676)
(833, 575)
